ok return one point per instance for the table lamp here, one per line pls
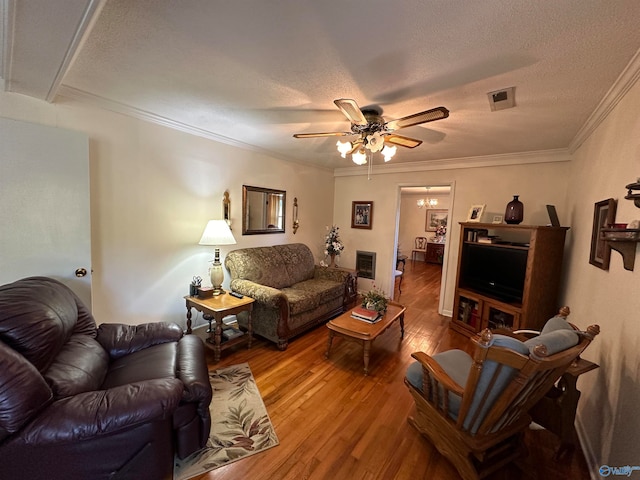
(217, 232)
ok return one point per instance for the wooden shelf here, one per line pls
(623, 241)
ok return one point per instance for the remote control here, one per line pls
(235, 294)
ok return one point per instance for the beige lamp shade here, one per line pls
(217, 232)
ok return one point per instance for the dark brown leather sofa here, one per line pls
(81, 402)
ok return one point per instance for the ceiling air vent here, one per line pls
(501, 99)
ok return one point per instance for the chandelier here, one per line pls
(427, 202)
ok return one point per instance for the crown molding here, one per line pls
(618, 90)
(89, 17)
(523, 158)
(124, 109)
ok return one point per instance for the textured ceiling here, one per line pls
(253, 72)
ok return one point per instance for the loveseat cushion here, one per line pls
(80, 367)
(263, 265)
(297, 260)
(307, 295)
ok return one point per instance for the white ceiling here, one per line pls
(254, 72)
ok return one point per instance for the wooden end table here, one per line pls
(216, 308)
(363, 332)
(556, 411)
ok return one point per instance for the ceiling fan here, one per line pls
(374, 133)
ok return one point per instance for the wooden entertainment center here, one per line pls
(508, 276)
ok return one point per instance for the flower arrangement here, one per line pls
(375, 299)
(441, 230)
(332, 243)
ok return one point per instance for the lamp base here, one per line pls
(218, 291)
(217, 274)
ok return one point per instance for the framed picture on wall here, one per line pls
(435, 219)
(604, 213)
(362, 214)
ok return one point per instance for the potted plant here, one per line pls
(375, 299)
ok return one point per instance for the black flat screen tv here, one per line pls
(495, 271)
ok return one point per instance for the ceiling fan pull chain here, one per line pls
(370, 155)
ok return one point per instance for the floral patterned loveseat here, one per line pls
(292, 293)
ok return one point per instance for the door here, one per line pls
(44, 205)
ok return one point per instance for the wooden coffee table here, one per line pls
(363, 332)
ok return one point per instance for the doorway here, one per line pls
(423, 211)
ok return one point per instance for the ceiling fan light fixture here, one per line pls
(359, 157)
(375, 142)
(344, 148)
(388, 152)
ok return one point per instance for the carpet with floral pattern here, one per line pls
(240, 425)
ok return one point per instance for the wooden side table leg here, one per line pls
(329, 341)
(188, 320)
(402, 326)
(568, 405)
(367, 348)
(217, 338)
(249, 330)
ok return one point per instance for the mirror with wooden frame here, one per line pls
(263, 210)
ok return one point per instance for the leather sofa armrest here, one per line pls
(192, 370)
(119, 339)
(329, 273)
(271, 297)
(103, 412)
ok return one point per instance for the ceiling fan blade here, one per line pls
(322, 134)
(351, 110)
(417, 118)
(402, 141)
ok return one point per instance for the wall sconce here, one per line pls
(296, 224)
(226, 208)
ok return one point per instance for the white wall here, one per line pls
(537, 184)
(153, 190)
(608, 416)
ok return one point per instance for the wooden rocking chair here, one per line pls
(474, 409)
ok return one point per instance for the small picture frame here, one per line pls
(604, 213)
(435, 219)
(475, 213)
(497, 219)
(362, 214)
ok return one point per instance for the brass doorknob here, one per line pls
(81, 272)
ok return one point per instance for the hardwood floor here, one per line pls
(335, 423)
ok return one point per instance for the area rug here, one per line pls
(240, 425)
